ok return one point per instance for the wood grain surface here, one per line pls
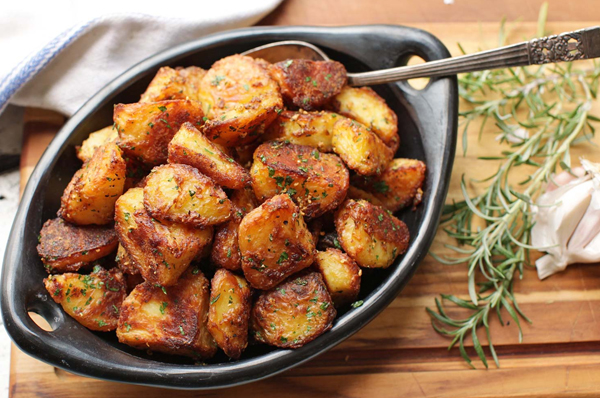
(399, 354)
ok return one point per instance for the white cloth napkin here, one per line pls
(72, 48)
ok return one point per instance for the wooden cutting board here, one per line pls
(399, 354)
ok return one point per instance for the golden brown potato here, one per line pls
(93, 300)
(274, 242)
(191, 147)
(170, 320)
(357, 193)
(91, 195)
(366, 107)
(309, 84)
(360, 148)
(179, 193)
(316, 181)
(125, 262)
(294, 313)
(226, 250)
(340, 274)
(369, 234)
(240, 100)
(303, 128)
(174, 84)
(95, 141)
(145, 129)
(400, 185)
(65, 247)
(229, 313)
(161, 250)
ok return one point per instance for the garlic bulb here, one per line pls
(567, 221)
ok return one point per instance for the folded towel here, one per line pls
(104, 39)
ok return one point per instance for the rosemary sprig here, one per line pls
(540, 112)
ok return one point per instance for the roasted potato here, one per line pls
(309, 84)
(93, 300)
(274, 242)
(174, 84)
(398, 186)
(369, 234)
(191, 147)
(160, 250)
(240, 100)
(229, 313)
(145, 129)
(226, 250)
(65, 247)
(170, 320)
(125, 262)
(316, 181)
(90, 196)
(303, 128)
(294, 313)
(94, 141)
(179, 193)
(360, 148)
(357, 193)
(340, 274)
(366, 107)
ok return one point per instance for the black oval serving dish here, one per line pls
(427, 125)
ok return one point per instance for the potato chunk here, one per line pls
(240, 100)
(294, 313)
(316, 181)
(357, 193)
(170, 320)
(95, 141)
(309, 84)
(161, 250)
(145, 129)
(399, 186)
(229, 313)
(65, 247)
(90, 196)
(303, 128)
(341, 275)
(274, 242)
(369, 234)
(174, 84)
(190, 146)
(366, 107)
(226, 250)
(360, 148)
(94, 300)
(179, 193)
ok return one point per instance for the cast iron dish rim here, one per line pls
(247, 370)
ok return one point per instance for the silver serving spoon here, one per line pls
(569, 46)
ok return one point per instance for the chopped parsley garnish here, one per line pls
(381, 186)
(357, 304)
(163, 306)
(282, 257)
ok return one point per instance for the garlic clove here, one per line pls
(556, 217)
(589, 226)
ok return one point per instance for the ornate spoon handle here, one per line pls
(569, 46)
